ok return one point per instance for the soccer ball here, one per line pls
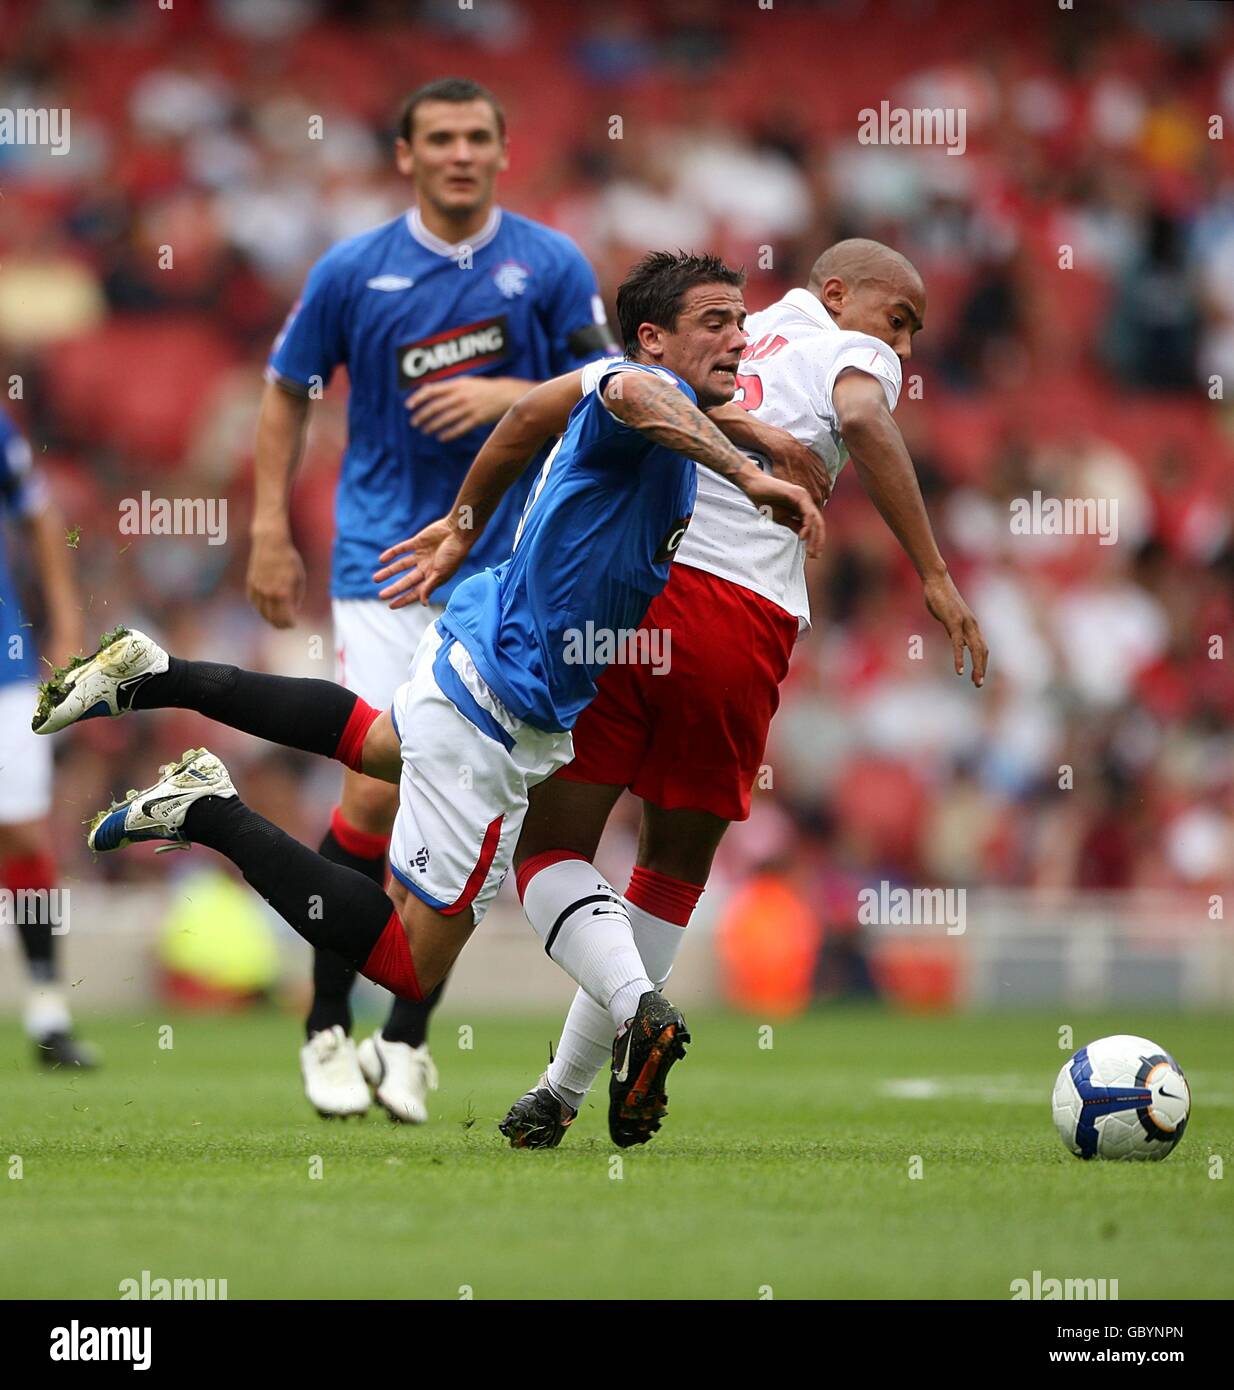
(1121, 1097)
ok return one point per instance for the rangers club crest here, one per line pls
(511, 278)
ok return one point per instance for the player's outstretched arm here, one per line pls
(882, 461)
(433, 555)
(275, 579)
(656, 408)
(791, 460)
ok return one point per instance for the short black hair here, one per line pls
(448, 89)
(655, 286)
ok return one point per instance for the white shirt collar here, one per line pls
(430, 242)
(811, 306)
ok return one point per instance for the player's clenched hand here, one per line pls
(275, 579)
(428, 559)
(944, 602)
(448, 409)
(796, 463)
(786, 503)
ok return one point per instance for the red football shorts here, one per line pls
(693, 737)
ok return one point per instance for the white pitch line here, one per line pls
(993, 1090)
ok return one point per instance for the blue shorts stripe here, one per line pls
(435, 903)
(451, 685)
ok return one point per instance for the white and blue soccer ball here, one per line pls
(1121, 1097)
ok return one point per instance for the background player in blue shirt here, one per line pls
(27, 865)
(493, 690)
(443, 318)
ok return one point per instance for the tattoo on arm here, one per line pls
(660, 411)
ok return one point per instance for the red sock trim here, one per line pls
(390, 963)
(362, 843)
(24, 871)
(351, 742)
(531, 867)
(667, 898)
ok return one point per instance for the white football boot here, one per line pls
(401, 1077)
(333, 1081)
(158, 812)
(101, 685)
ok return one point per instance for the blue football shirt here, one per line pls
(400, 308)
(608, 510)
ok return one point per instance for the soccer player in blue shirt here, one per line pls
(27, 863)
(494, 689)
(443, 318)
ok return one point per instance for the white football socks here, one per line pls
(658, 942)
(585, 926)
(46, 1010)
(587, 1037)
(586, 1044)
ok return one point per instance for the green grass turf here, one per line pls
(785, 1167)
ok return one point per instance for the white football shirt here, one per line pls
(785, 378)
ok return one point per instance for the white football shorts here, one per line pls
(467, 765)
(25, 758)
(374, 645)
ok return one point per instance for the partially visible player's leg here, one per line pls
(357, 838)
(675, 853)
(565, 819)
(575, 911)
(676, 849)
(587, 929)
(394, 1062)
(28, 875)
(391, 938)
(399, 1052)
(689, 741)
(374, 649)
(712, 709)
(131, 671)
(394, 939)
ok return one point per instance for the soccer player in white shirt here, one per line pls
(823, 364)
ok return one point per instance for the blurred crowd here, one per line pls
(1079, 262)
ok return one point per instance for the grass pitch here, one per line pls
(782, 1171)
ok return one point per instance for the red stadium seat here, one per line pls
(138, 383)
